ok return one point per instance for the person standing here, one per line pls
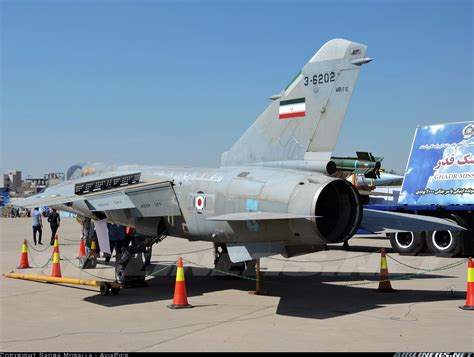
(37, 224)
(116, 238)
(54, 222)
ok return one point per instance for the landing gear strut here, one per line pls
(90, 260)
(130, 268)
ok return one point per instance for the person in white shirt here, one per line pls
(37, 224)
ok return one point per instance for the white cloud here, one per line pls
(435, 128)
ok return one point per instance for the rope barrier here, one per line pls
(220, 271)
(36, 264)
(323, 261)
(72, 240)
(410, 266)
(172, 254)
(360, 283)
(152, 273)
(70, 261)
(37, 250)
(409, 276)
(403, 277)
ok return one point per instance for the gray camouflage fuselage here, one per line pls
(242, 189)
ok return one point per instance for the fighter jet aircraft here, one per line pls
(273, 192)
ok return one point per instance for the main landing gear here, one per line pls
(130, 267)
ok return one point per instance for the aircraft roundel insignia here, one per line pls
(199, 202)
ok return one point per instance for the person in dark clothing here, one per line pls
(116, 238)
(54, 222)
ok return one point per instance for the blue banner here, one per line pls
(4, 196)
(440, 169)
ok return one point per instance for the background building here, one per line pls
(11, 180)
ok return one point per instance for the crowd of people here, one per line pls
(19, 212)
(16, 212)
(119, 236)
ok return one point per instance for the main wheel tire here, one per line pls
(104, 289)
(444, 243)
(407, 243)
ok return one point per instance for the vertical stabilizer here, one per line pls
(303, 122)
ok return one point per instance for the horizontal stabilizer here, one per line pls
(258, 216)
(242, 252)
(391, 222)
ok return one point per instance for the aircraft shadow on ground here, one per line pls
(359, 248)
(305, 294)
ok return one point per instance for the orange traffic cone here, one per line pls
(384, 283)
(56, 271)
(470, 287)
(82, 249)
(56, 245)
(24, 257)
(180, 299)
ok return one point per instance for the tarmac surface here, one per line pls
(325, 301)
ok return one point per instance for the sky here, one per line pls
(178, 82)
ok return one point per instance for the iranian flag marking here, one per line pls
(292, 108)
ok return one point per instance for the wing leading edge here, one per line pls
(102, 194)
